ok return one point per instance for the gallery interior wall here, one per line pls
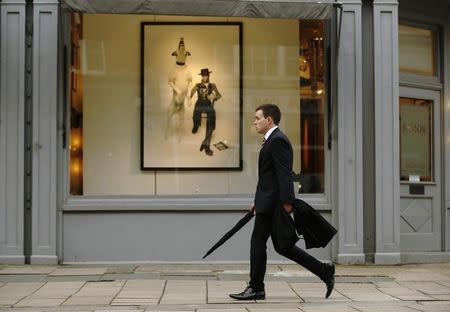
(111, 99)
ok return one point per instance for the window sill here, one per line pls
(170, 204)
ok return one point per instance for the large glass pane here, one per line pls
(416, 137)
(417, 50)
(106, 104)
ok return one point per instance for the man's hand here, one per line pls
(288, 208)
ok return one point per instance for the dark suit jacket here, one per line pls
(315, 229)
(275, 179)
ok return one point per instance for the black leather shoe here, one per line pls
(329, 281)
(249, 294)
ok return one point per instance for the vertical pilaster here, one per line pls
(12, 105)
(45, 56)
(387, 184)
(350, 147)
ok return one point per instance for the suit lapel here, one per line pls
(264, 147)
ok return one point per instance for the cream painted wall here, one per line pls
(111, 102)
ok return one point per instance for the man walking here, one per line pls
(275, 190)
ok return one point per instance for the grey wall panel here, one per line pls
(446, 185)
(350, 192)
(387, 192)
(159, 236)
(12, 92)
(45, 36)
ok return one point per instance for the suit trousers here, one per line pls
(258, 255)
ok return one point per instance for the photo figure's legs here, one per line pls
(176, 108)
(210, 126)
(170, 113)
(180, 127)
(196, 118)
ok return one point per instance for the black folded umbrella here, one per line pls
(248, 216)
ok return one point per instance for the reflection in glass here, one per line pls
(312, 106)
(416, 132)
(417, 50)
(76, 109)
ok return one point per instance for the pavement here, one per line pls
(205, 288)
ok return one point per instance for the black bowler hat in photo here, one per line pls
(205, 72)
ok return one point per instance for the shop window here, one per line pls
(417, 50)
(283, 62)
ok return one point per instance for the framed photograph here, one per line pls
(191, 96)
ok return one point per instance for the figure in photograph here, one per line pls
(207, 95)
(274, 202)
(180, 79)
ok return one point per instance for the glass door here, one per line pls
(420, 170)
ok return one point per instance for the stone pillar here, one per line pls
(350, 147)
(45, 56)
(12, 140)
(387, 180)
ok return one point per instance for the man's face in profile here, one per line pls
(261, 123)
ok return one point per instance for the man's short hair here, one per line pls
(270, 110)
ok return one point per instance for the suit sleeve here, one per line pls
(283, 158)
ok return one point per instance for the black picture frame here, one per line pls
(166, 139)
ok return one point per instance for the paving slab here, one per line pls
(123, 276)
(441, 297)
(9, 301)
(27, 270)
(420, 274)
(290, 273)
(140, 292)
(134, 302)
(430, 288)
(73, 278)
(88, 300)
(121, 269)
(184, 292)
(142, 289)
(434, 306)
(218, 291)
(151, 310)
(39, 302)
(99, 289)
(19, 289)
(362, 292)
(226, 310)
(445, 283)
(385, 308)
(251, 309)
(78, 271)
(315, 292)
(280, 292)
(57, 290)
(22, 278)
(401, 292)
(334, 308)
(120, 310)
(175, 267)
